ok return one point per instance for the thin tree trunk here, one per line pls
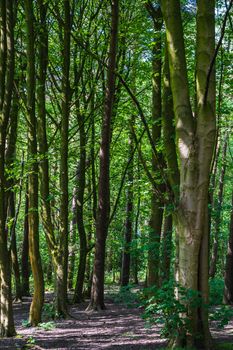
(218, 212)
(135, 259)
(33, 217)
(126, 257)
(81, 183)
(25, 251)
(172, 165)
(228, 276)
(78, 294)
(73, 233)
(156, 204)
(14, 254)
(62, 261)
(97, 294)
(166, 250)
(10, 158)
(6, 86)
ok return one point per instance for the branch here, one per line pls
(123, 178)
(216, 50)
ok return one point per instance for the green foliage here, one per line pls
(222, 315)
(162, 306)
(47, 326)
(216, 287)
(26, 323)
(30, 343)
(49, 312)
(127, 295)
(225, 346)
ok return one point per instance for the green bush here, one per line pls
(161, 306)
(49, 312)
(127, 296)
(216, 286)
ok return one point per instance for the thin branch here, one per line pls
(123, 178)
(216, 50)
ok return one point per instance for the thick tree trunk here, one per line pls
(97, 295)
(195, 144)
(228, 276)
(33, 217)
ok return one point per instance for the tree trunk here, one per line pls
(156, 203)
(195, 144)
(73, 233)
(33, 217)
(81, 183)
(6, 87)
(10, 159)
(25, 251)
(228, 276)
(125, 273)
(166, 248)
(78, 294)
(62, 261)
(218, 212)
(97, 294)
(14, 254)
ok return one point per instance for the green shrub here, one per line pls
(49, 312)
(161, 306)
(127, 296)
(222, 315)
(216, 286)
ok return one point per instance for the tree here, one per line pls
(156, 202)
(228, 277)
(195, 142)
(126, 258)
(33, 215)
(6, 86)
(102, 219)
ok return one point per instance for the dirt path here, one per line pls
(117, 327)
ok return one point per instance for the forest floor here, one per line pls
(120, 326)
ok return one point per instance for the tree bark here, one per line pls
(228, 276)
(218, 212)
(166, 250)
(156, 203)
(126, 258)
(73, 234)
(10, 159)
(62, 261)
(97, 294)
(6, 86)
(33, 217)
(25, 251)
(195, 144)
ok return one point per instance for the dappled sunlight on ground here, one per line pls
(117, 327)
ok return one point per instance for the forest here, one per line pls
(116, 197)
